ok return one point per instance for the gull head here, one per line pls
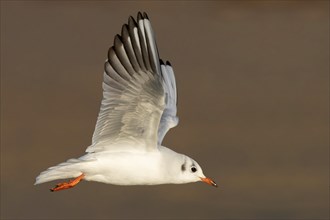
(191, 171)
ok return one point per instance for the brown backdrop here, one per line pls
(253, 107)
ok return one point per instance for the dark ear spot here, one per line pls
(183, 167)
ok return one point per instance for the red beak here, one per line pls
(209, 181)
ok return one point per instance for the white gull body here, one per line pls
(138, 108)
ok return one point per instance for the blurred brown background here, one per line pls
(253, 105)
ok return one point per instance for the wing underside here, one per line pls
(137, 92)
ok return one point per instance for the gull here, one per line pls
(138, 108)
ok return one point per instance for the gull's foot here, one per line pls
(68, 185)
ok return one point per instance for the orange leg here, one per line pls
(68, 185)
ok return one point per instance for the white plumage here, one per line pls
(137, 110)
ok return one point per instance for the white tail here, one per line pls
(68, 169)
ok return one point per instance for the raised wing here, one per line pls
(169, 118)
(133, 92)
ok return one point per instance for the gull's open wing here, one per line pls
(133, 92)
(169, 118)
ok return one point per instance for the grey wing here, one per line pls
(133, 92)
(169, 118)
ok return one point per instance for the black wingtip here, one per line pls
(161, 62)
(124, 29)
(117, 40)
(145, 15)
(118, 36)
(139, 16)
(131, 21)
(168, 63)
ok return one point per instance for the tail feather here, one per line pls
(68, 169)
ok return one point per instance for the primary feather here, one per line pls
(139, 92)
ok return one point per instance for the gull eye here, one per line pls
(193, 169)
